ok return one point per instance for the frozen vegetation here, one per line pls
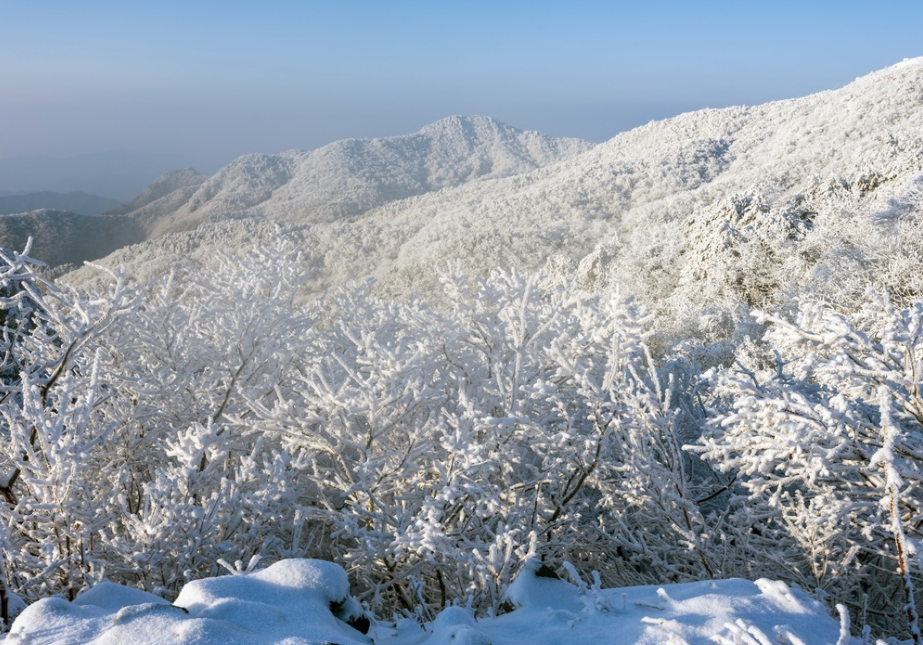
(566, 395)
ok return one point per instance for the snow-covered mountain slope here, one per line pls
(352, 176)
(710, 206)
(165, 196)
(653, 191)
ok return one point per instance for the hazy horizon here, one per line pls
(210, 81)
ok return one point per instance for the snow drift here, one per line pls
(290, 603)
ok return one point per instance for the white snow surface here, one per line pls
(289, 603)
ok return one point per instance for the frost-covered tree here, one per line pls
(55, 435)
(825, 435)
(16, 309)
(197, 484)
(447, 447)
(18, 289)
(431, 450)
(114, 392)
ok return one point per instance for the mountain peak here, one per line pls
(908, 62)
(349, 177)
(459, 122)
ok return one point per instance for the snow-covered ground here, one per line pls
(293, 602)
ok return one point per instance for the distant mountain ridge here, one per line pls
(75, 202)
(342, 179)
(117, 174)
(350, 177)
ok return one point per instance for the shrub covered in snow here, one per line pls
(824, 431)
(155, 431)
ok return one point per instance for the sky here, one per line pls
(209, 80)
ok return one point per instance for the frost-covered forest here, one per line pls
(154, 431)
(739, 400)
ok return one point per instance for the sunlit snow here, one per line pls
(289, 603)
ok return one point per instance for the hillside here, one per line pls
(342, 179)
(716, 208)
(65, 238)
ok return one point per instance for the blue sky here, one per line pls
(211, 79)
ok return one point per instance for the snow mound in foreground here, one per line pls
(293, 602)
(290, 602)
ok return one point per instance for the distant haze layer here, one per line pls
(119, 175)
(214, 80)
(75, 202)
